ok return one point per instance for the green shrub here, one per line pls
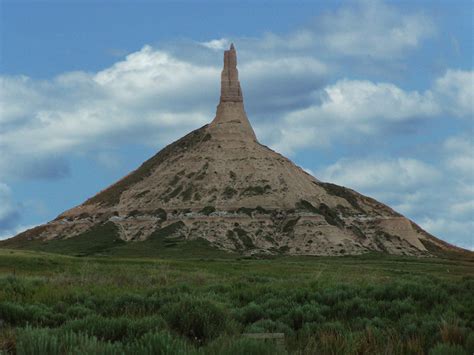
(116, 329)
(200, 320)
(447, 349)
(243, 346)
(269, 326)
(250, 313)
(256, 190)
(12, 313)
(244, 238)
(159, 344)
(208, 210)
(328, 342)
(470, 342)
(44, 341)
(17, 288)
(131, 304)
(78, 311)
(229, 192)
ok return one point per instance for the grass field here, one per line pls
(177, 303)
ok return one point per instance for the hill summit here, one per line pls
(220, 185)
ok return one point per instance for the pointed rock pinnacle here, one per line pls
(231, 123)
(230, 85)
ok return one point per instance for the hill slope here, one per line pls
(219, 184)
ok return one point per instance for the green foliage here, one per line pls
(175, 192)
(342, 192)
(289, 226)
(448, 349)
(188, 193)
(243, 346)
(229, 192)
(44, 341)
(353, 305)
(250, 313)
(161, 213)
(306, 206)
(470, 343)
(208, 210)
(330, 215)
(256, 190)
(98, 240)
(200, 320)
(244, 238)
(115, 329)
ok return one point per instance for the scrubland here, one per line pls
(180, 304)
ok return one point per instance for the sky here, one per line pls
(373, 95)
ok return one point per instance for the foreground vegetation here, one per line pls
(373, 304)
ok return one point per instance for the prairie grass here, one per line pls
(372, 304)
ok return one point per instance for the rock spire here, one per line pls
(230, 85)
(231, 124)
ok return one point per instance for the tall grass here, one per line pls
(323, 306)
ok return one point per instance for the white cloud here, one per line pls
(352, 106)
(364, 107)
(141, 96)
(460, 156)
(401, 174)
(456, 89)
(363, 29)
(216, 44)
(362, 102)
(371, 28)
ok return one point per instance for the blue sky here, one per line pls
(376, 96)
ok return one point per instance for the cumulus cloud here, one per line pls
(216, 44)
(367, 108)
(140, 96)
(401, 174)
(372, 28)
(456, 90)
(367, 29)
(459, 156)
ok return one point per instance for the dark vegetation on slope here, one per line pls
(97, 240)
(329, 214)
(111, 195)
(399, 305)
(342, 192)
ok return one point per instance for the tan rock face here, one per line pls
(240, 195)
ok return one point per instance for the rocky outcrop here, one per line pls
(230, 85)
(222, 185)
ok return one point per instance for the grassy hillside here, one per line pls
(370, 304)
